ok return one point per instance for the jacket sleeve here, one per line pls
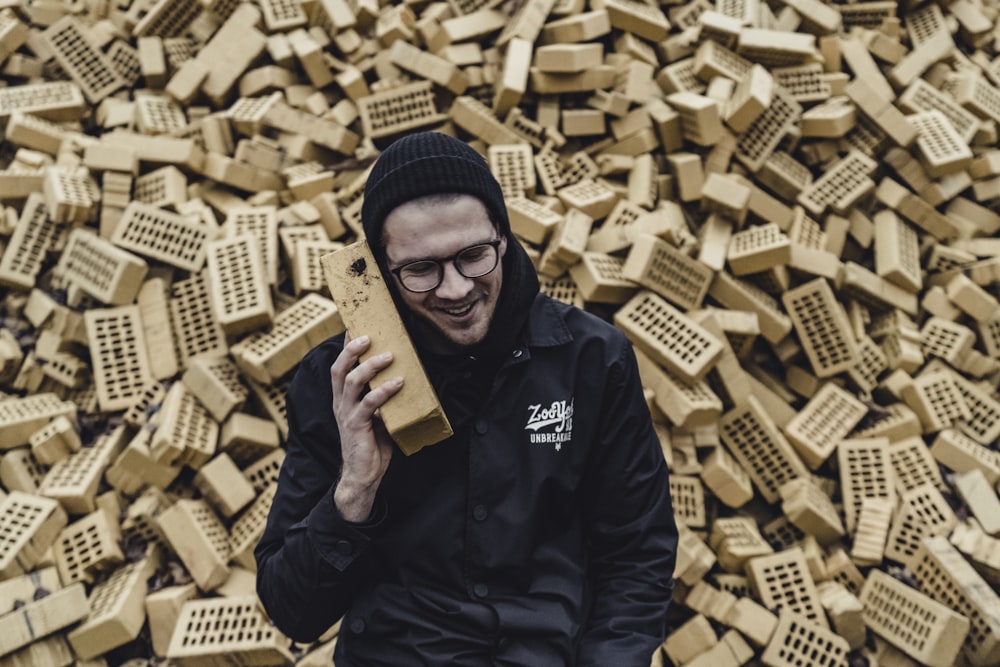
(632, 534)
(309, 558)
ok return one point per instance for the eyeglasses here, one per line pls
(427, 274)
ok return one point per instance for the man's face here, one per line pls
(460, 309)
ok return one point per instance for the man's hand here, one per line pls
(365, 444)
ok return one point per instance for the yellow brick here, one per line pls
(413, 416)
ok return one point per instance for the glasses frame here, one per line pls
(495, 244)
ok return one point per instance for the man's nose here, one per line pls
(453, 285)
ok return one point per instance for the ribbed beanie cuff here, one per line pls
(427, 163)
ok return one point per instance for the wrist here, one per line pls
(354, 501)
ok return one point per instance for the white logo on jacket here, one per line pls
(556, 419)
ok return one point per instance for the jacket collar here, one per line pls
(546, 325)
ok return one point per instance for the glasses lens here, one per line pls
(478, 260)
(420, 276)
(472, 262)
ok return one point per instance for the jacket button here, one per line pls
(479, 512)
(482, 427)
(518, 353)
(344, 548)
(480, 590)
(357, 626)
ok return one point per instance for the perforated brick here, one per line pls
(215, 381)
(20, 417)
(267, 356)
(164, 18)
(957, 451)
(922, 512)
(196, 331)
(227, 629)
(937, 400)
(726, 478)
(75, 479)
(811, 510)
(983, 423)
(822, 326)
(260, 222)
(713, 59)
(761, 139)
(976, 94)
(109, 274)
(757, 249)
(162, 235)
(599, 278)
(917, 625)
(248, 528)
(782, 581)
(670, 273)
(117, 611)
(756, 442)
(399, 109)
(946, 339)
(159, 114)
(199, 539)
(668, 336)
(688, 499)
(923, 96)
(866, 471)
(946, 577)
(841, 186)
(797, 641)
(34, 236)
(87, 65)
(736, 540)
(30, 525)
(872, 529)
(941, 147)
(87, 547)
(823, 422)
(561, 289)
(913, 464)
(118, 355)
(187, 434)
(281, 15)
(238, 287)
(57, 100)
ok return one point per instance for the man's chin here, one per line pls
(457, 337)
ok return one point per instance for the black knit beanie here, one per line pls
(426, 163)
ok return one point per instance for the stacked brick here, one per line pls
(789, 208)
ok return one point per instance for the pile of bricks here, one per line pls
(789, 207)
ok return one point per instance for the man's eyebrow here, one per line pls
(404, 262)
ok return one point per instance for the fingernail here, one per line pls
(363, 340)
(397, 381)
(385, 356)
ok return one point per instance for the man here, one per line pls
(541, 532)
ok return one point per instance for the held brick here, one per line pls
(413, 416)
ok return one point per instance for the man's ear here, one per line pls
(503, 244)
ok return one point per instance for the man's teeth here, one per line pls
(458, 311)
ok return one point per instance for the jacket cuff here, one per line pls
(337, 540)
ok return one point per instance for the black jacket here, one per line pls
(540, 534)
